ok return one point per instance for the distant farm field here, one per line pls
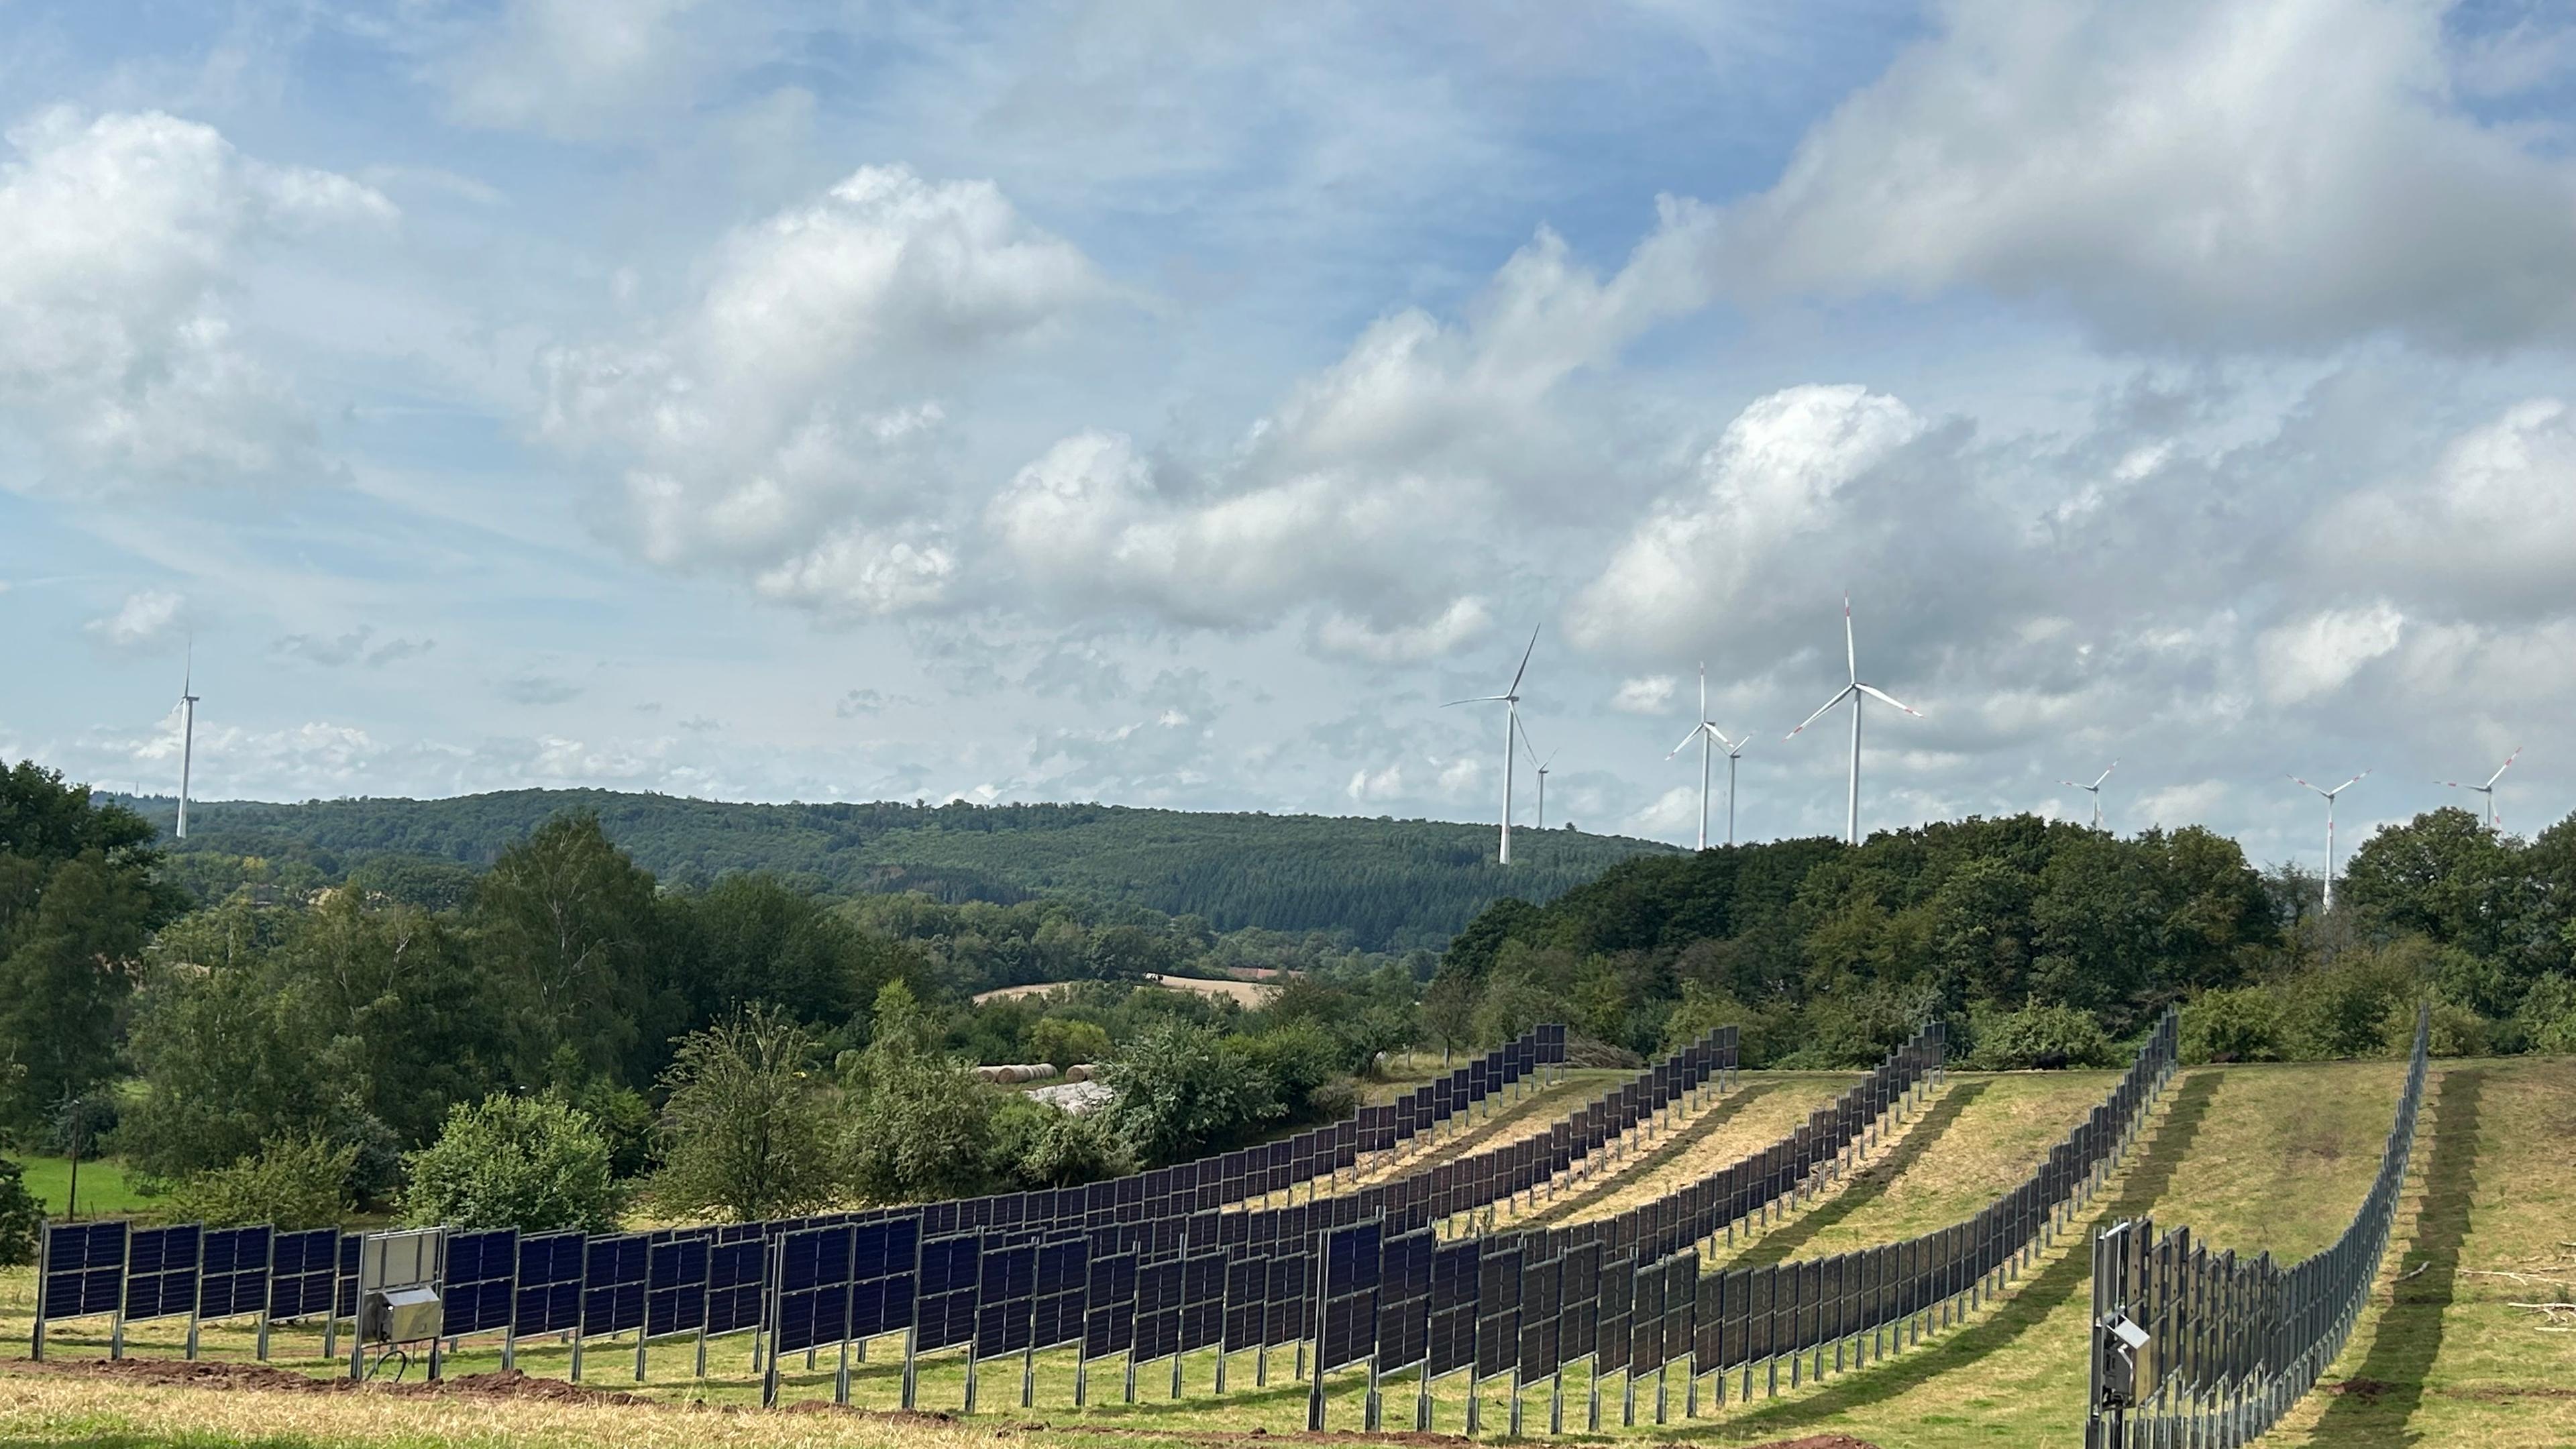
(2251, 1156)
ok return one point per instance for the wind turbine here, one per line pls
(2495, 821)
(187, 733)
(2096, 789)
(1510, 700)
(2330, 799)
(1709, 735)
(1853, 692)
(1542, 775)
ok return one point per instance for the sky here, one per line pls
(1174, 404)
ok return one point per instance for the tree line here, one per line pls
(297, 1045)
(1385, 884)
(2039, 943)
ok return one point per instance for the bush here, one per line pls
(2341, 1011)
(1184, 1090)
(745, 1133)
(291, 1182)
(2040, 1036)
(18, 1216)
(2232, 1024)
(1065, 1041)
(2548, 1015)
(2456, 1031)
(1035, 1146)
(532, 1163)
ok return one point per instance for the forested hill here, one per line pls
(1391, 884)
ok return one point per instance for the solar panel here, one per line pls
(161, 1271)
(549, 1291)
(1158, 1309)
(1498, 1308)
(344, 1286)
(612, 1289)
(1610, 1319)
(1404, 1299)
(479, 1293)
(1454, 1284)
(301, 1268)
(1109, 1318)
(1352, 1260)
(84, 1269)
(736, 1267)
(1291, 1297)
(1006, 1291)
(812, 1295)
(675, 1285)
(1542, 1304)
(945, 1303)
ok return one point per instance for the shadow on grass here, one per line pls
(1671, 1148)
(1870, 1185)
(2387, 1391)
(2150, 1176)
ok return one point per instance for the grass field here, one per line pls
(103, 1187)
(2252, 1157)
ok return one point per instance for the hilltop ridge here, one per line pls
(1390, 884)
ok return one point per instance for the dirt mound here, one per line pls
(1820, 1441)
(2366, 1390)
(211, 1374)
(203, 1374)
(512, 1384)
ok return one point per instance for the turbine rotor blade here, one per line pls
(1479, 699)
(1839, 696)
(1851, 651)
(2106, 774)
(2348, 784)
(1686, 739)
(2507, 765)
(1883, 697)
(1525, 659)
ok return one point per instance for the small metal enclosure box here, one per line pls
(2120, 1342)
(400, 1315)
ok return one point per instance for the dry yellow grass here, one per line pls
(1771, 1107)
(1985, 1136)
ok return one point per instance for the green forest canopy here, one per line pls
(2045, 935)
(1390, 884)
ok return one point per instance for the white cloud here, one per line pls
(2495, 514)
(1651, 694)
(119, 238)
(353, 647)
(2192, 172)
(1778, 479)
(1088, 522)
(147, 620)
(1367, 785)
(1461, 777)
(1674, 812)
(572, 68)
(765, 431)
(2177, 805)
(1462, 621)
(530, 686)
(2320, 653)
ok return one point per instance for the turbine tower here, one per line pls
(1510, 700)
(1853, 692)
(187, 734)
(1711, 737)
(1542, 775)
(2330, 799)
(2096, 789)
(2495, 821)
